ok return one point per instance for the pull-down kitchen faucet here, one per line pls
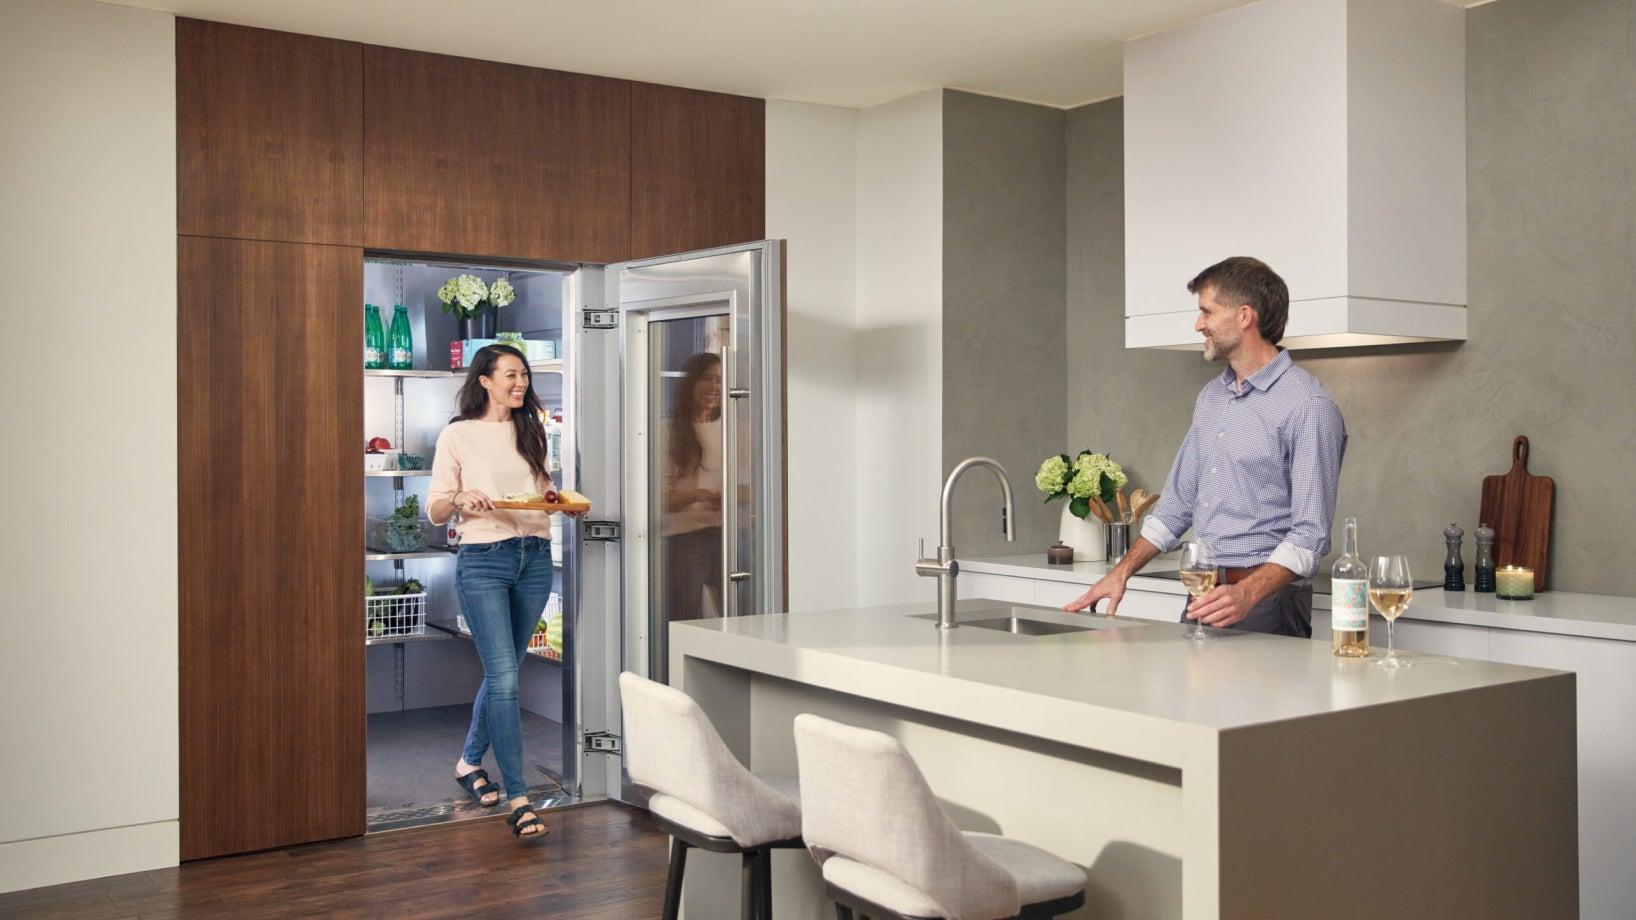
(944, 568)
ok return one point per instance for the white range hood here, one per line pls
(1325, 137)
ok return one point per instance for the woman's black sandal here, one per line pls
(476, 783)
(520, 825)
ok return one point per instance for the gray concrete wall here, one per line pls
(1003, 310)
(1551, 183)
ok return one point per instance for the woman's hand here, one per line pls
(472, 501)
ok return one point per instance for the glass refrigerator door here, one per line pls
(699, 447)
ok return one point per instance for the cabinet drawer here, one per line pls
(995, 587)
(1144, 605)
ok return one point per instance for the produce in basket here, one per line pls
(412, 586)
(369, 586)
(401, 532)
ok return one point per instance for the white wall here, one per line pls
(812, 203)
(900, 343)
(88, 577)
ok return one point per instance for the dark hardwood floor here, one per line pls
(601, 862)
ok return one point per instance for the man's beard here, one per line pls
(1216, 350)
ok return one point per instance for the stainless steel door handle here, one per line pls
(739, 576)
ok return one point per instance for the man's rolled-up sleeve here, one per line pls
(1317, 447)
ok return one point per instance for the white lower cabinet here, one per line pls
(1453, 639)
(995, 587)
(1605, 680)
(1143, 605)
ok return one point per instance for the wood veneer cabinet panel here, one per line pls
(269, 134)
(698, 169)
(476, 158)
(269, 413)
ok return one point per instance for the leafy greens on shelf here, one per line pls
(401, 532)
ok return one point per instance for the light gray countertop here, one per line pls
(1125, 668)
(1594, 616)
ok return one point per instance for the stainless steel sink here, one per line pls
(1032, 621)
(1022, 627)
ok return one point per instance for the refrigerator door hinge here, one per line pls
(600, 318)
(601, 743)
(600, 531)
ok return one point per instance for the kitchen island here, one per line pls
(1243, 776)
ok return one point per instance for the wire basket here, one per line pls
(395, 616)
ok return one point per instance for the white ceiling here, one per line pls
(850, 53)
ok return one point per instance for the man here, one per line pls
(1256, 475)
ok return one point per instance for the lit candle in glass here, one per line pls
(1514, 583)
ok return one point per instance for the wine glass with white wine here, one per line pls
(1199, 573)
(1390, 588)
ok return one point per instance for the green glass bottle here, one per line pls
(401, 355)
(374, 338)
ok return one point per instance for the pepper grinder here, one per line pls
(1485, 559)
(1454, 567)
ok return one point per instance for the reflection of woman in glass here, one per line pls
(692, 487)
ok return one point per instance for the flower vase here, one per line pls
(1087, 536)
(479, 325)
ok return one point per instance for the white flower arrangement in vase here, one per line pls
(472, 301)
(1078, 479)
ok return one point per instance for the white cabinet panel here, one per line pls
(1143, 605)
(993, 587)
(1453, 639)
(1606, 680)
(1056, 593)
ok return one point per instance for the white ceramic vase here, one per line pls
(1088, 537)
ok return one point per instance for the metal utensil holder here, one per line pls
(1118, 541)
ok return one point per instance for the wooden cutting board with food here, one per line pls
(550, 500)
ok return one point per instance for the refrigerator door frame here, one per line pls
(754, 301)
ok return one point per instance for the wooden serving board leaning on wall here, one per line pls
(1518, 506)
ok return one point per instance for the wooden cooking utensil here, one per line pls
(1148, 501)
(1101, 509)
(1124, 506)
(1518, 506)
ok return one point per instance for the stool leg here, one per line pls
(747, 886)
(766, 884)
(673, 879)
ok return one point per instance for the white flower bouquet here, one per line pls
(1078, 479)
(466, 295)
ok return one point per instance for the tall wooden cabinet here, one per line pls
(269, 407)
(295, 154)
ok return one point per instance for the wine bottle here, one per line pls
(374, 338)
(1349, 599)
(402, 354)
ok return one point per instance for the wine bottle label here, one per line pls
(372, 355)
(1349, 604)
(401, 356)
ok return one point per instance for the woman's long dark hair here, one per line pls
(472, 401)
(686, 453)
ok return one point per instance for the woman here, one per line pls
(691, 486)
(495, 446)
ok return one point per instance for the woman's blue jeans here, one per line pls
(503, 588)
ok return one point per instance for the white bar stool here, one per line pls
(702, 796)
(888, 850)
